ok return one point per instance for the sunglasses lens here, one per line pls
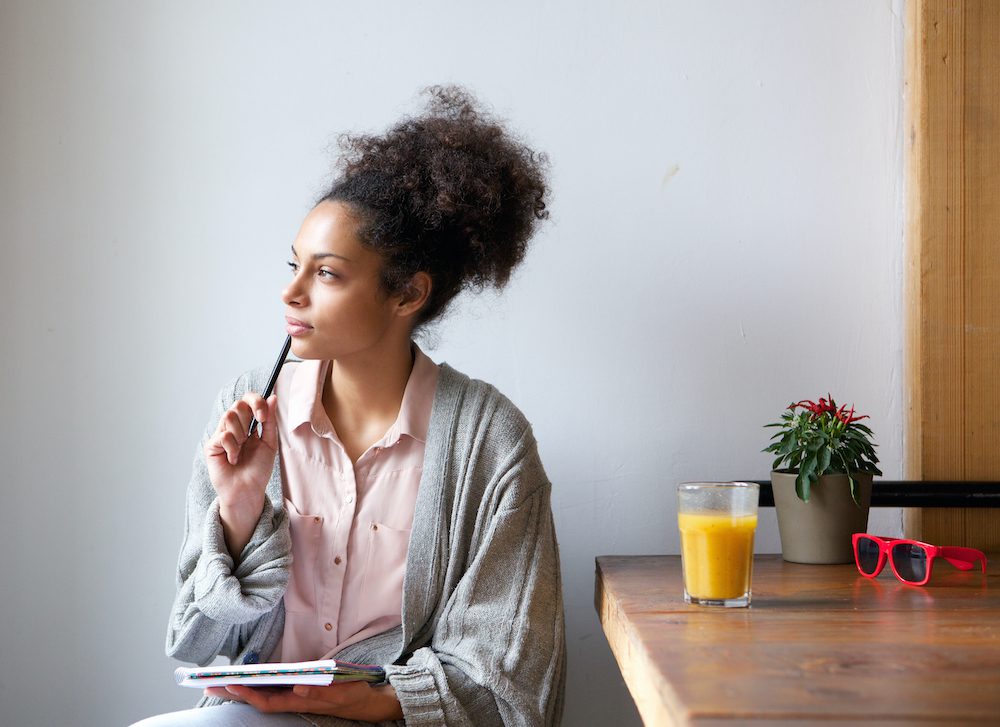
(867, 555)
(910, 562)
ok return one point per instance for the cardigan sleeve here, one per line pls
(497, 655)
(220, 600)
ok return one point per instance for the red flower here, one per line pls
(827, 406)
(815, 408)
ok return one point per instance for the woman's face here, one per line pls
(335, 306)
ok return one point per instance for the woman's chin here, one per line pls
(301, 349)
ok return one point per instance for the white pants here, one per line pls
(230, 714)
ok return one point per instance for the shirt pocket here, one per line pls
(385, 565)
(306, 531)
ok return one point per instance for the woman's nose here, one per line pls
(293, 294)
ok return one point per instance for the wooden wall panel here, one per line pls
(981, 187)
(953, 90)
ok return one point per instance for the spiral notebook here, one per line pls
(322, 672)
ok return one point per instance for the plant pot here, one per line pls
(819, 531)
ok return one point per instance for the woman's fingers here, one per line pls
(221, 693)
(255, 405)
(232, 423)
(275, 700)
(226, 443)
(269, 431)
(232, 432)
(241, 414)
(237, 418)
(233, 445)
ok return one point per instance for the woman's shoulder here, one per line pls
(473, 403)
(479, 426)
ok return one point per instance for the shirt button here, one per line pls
(336, 561)
(350, 499)
(317, 519)
(328, 626)
(374, 526)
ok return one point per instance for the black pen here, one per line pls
(269, 389)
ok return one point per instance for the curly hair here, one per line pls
(451, 193)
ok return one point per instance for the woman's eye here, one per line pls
(322, 272)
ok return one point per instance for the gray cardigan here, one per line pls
(482, 638)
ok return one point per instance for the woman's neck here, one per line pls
(363, 398)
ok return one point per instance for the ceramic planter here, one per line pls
(819, 531)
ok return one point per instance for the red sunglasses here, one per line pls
(911, 560)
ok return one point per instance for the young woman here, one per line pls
(392, 510)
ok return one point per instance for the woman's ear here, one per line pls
(414, 296)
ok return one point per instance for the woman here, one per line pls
(391, 511)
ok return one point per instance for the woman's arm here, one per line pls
(497, 655)
(239, 466)
(221, 599)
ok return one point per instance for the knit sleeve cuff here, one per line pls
(417, 694)
(214, 538)
(237, 592)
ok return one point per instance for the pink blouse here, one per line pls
(350, 523)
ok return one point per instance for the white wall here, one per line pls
(726, 237)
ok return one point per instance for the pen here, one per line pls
(269, 389)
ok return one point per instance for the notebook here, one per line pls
(322, 672)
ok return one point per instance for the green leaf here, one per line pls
(805, 477)
(809, 465)
(787, 444)
(823, 460)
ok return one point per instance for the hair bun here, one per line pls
(450, 192)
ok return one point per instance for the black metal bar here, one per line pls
(913, 493)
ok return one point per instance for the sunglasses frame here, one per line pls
(962, 558)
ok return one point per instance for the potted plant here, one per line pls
(821, 479)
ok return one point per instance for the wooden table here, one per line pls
(819, 643)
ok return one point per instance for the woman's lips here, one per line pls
(296, 327)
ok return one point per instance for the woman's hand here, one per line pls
(239, 466)
(348, 700)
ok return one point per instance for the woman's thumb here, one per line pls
(269, 430)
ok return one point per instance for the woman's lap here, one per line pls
(230, 714)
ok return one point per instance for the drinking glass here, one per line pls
(717, 521)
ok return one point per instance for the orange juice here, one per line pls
(717, 554)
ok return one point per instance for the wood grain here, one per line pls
(953, 172)
(819, 643)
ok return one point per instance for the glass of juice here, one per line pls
(717, 521)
